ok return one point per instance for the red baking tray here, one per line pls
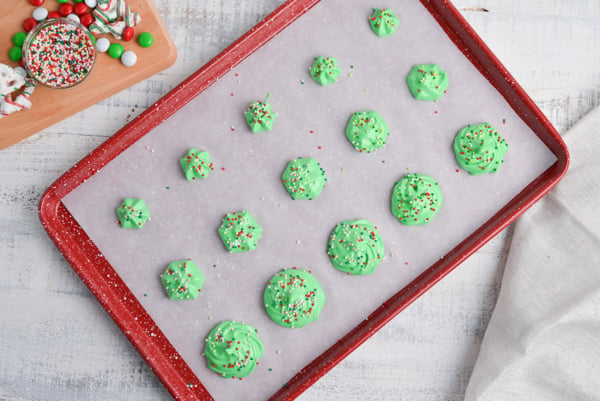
(130, 316)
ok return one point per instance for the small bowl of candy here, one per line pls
(59, 53)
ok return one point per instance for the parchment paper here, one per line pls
(311, 123)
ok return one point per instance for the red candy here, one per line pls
(86, 19)
(80, 8)
(54, 14)
(65, 9)
(36, 3)
(127, 34)
(28, 24)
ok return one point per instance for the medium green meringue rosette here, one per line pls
(479, 149)
(427, 82)
(240, 232)
(259, 116)
(416, 199)
(355, 247)
(383, 22)
(367, 131)
(294, 298)
(325, 70)
(304, 178)
(196, 164)
(133, 213)
(233, 349)
(182, 280)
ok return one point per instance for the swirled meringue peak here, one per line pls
(427, 82)
(383, 22)
(325, 70)
(367, 131)
(304, 178)
(233, 349)
(416, 199)
(355, 247)
(133, 213)
(240, 232)
(479, 149)
(196, 164)
(259, 116)
(294, 298)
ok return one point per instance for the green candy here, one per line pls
(233, 349)
(356, 247)
(19, 38)
(182, 280)
(63, 1)
(479, 149)
(293, 298)
(367, 131)
(304, 178)
(383, 22)
(115, 50)
(133, 213)
(145, 39)
(15, 53)
(325, 70)
(427, 82)
(259, 116)
(240, 232)
(196, 164)
(416, 199)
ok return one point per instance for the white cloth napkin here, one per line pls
(543, 340)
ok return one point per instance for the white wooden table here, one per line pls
(58, 344)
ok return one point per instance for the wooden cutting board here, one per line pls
(108, 77)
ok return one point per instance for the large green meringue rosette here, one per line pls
(233, 349)
(479, 149)
(293, 298)
(416, 199)
(367, 131)
(356, 247)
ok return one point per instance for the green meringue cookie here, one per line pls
(133, 213)
(367, 131)
(383, 22)
(416, 199)
(294, 298)
(304, 178)
(233, 349)
(356, 247)
(325, 70)
(479, 149)
(182, 280)
(259, 116)
(427, 82)
(196, 164)
(240, 232)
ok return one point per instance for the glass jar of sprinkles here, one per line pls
(59, 53)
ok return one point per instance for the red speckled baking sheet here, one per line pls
(122, 267)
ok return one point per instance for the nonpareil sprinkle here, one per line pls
(59, 54)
